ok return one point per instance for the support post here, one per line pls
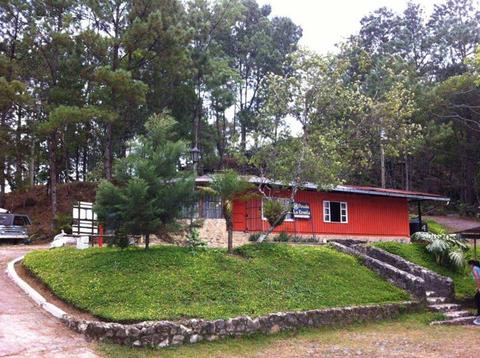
(475, 248)
(100, 235)
(420, 223)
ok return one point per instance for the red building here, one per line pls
(345, 211)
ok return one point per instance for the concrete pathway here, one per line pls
(25, 329)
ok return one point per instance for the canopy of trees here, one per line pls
(397, 105)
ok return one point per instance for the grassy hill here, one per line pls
(35, 202)
(416, 253)
(169, 282)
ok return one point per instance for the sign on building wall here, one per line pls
(301, 210)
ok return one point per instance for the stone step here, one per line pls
(435, 300)
(455, 321)
(430, 293)
(445, 307)
(457, 314)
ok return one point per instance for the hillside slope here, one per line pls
(168, 282)
(35, 203)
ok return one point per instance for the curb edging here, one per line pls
(34, 295)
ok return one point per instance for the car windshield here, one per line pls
(4, 219)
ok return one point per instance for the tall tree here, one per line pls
(258, 45)
(149, 187)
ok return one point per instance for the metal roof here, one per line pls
(351, 189)
(475, 231)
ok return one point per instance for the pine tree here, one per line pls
(149, 189)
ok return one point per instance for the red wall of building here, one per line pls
(367, 215)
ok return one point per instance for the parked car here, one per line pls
(14, 226)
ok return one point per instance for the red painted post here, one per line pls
(100, 235)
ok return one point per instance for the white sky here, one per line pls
(327, 22)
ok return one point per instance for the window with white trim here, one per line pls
(285, 202)
(335, 212)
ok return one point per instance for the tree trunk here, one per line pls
(147, 241)
(84, 164)
(52, 157)
(2, 181)
(108, 157)
(31, 168)
(18, 154)
(407, 173)
(230, 240)
(382, 165)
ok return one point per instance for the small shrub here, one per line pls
(254, 237)
(63, 221)
(282, 237)
(194, 243)
(448, 250)
(274, 211)
(120, 239)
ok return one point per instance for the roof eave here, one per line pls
(341, 189)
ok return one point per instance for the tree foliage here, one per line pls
(149, 189)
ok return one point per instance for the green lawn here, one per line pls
(416, 253)
(435, 227)
(168, 282)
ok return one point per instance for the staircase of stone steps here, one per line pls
(453, 312)
(421, 283)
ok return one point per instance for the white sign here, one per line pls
(301, 210)
(84, 219)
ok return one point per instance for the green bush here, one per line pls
(274, 211)
(194, 243)
(63, 221)
(448, 250)
(120, 239)
(282, 237)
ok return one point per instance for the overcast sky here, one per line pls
(327, 22)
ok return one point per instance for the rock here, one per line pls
(275, 328)
(164, 343)
(195, 338)
(133, 332)
(177, 339)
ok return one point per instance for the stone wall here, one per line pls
(444, 286)
(166, 333)
(405, 280)
(214, 233)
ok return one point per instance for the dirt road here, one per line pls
(25, 329)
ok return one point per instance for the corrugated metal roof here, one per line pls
(353, 189)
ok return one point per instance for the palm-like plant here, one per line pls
(448, 249)
(229, 186)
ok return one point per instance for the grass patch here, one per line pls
(435, 227)
(252, 345)
(168, 282)
(416, 253)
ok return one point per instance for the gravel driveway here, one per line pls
(25, 329)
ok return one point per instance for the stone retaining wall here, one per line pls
(166, 333)
(405, 280)
(444, 286)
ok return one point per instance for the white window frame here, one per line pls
(327, 217)
(278, 198)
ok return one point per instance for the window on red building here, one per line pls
(335, 212)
